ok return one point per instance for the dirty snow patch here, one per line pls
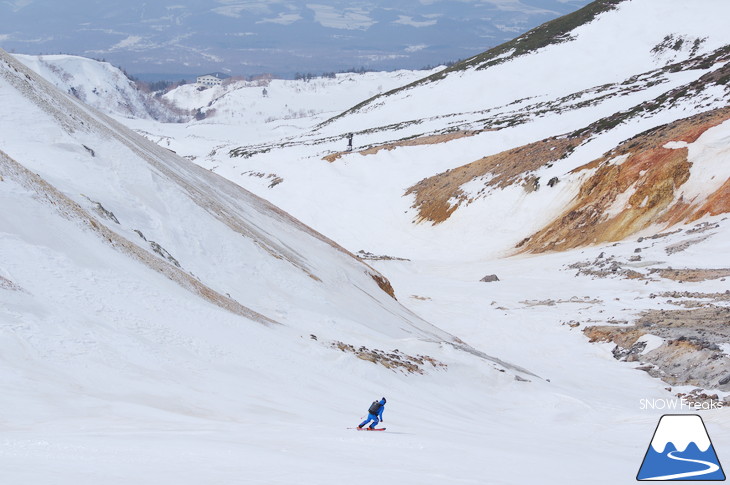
(652, 342)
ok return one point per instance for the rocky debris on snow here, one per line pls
(572, 299)
(368, 256)
(421, 298)
(490, 278)
(100, 210)
(159, 249)
(699, 399)
(636, 267)
(6, 284)
(691, 274)
(531, 184)
(603, 267)
(681, 347)
(703, 227)
(681, 246)
(725, 296)
(164, 253)
(394, 360)
(275, 179)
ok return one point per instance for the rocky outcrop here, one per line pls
(394, 360)
(681, 347)
(633, 187)
(437, 197)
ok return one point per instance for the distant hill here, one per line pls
(99, 84)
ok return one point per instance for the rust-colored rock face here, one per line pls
(439, 196)
(633, 187)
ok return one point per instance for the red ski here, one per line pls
(369, 429)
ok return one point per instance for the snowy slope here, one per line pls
(669, 65)
(141, 294)
(637, 156)
(98, 84)
(117, 366)
(654, 34)
(120, 366)
(266, 109)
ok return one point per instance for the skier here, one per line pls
(349, 142)
(375, 414)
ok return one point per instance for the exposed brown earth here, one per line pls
(411, 142)
(651, 172)
(439, 196)
(692, 275)
(717, 203)
(384, 284)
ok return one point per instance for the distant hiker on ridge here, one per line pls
(375, 414)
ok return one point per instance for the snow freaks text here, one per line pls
(678, 404)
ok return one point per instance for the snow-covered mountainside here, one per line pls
(567, 137)
(98, 84)
(513, 132)
(267, 100)
(159, 324)
(197, 229)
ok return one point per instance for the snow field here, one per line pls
(113, 373)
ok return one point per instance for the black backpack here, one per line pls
(374, 407)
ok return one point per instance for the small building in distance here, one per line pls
(212, 79)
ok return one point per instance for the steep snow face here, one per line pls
(634, 38)
(98, 84)
(710, 159)
(201, 231)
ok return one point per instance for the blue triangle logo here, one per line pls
(681, 450)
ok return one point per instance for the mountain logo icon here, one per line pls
(681, 450)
